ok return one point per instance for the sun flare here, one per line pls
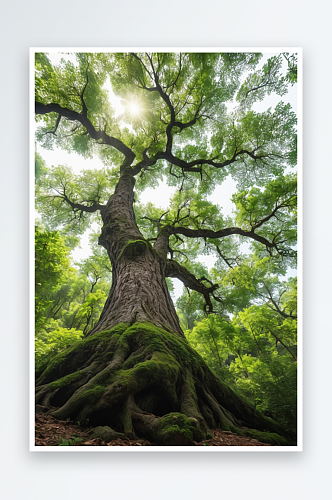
(134, 108)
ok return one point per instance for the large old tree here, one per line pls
(135, 371)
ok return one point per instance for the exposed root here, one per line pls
(142, 381)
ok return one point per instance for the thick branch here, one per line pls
(98, 135)
(209, 233)
(176, 270)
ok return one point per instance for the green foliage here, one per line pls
(68, 301)
(92, 305)
(50, 342)
(69, 442)
(255, 352)
(85, 190)
(51, 269)
(263, 82)
(40, 167)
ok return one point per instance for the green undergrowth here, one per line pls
(74, 357)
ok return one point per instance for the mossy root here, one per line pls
(143, 381)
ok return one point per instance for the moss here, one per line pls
(134, 359)
(268, 437)
(154, 360)
(264, 437)
(93, 394)
(161, 370)
(174, 429)
(67, 380)
(134, 248)
(67, 361)
(127, 175)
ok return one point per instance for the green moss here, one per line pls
(174, 429)
(264, 437)
(134, 248)
(161, 370)
(93, 394)
(67, 380)
(67, 361)
(154, 358)
(268, 437)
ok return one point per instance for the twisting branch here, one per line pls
(222, 233)
(56, 126)
(291, 201)
(226, 259)
(79, 207)
(165, 97)
(172, 85)
(98, 135)
(176, 270)
(192, 166)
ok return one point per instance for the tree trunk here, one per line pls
(139, 291)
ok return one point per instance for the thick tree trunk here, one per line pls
(139, 291)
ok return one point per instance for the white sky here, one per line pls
(159, 196)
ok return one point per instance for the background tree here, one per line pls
(255, 351)
(135, 370)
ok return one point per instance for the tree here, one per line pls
(51, 269)
(255, 352)
(135, 369)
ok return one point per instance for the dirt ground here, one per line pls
(52, 432)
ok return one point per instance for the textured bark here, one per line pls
(139, 291)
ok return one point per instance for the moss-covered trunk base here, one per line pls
(143, 381)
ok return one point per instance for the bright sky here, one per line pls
(159, 196)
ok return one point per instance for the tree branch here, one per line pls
(284, 204)
(277, 308)
(85, 109)
(176, 270)
(98, 135)
(78, 206)
(209, 233)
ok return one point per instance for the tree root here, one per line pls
(143, 381)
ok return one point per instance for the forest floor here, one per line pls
(49, 431)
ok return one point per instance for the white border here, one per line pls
(195, 449)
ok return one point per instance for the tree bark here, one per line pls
(139, 291)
